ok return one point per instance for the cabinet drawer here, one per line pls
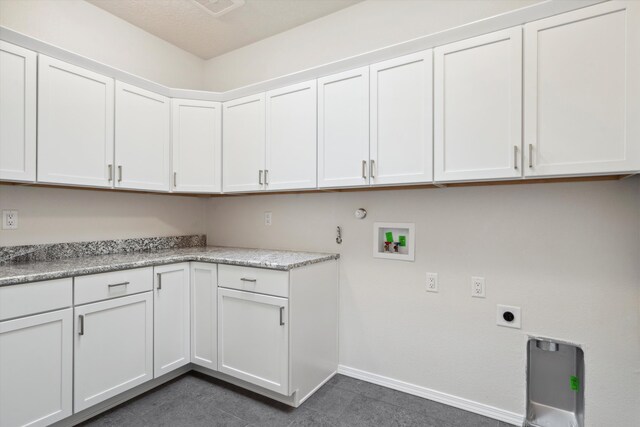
(270, 282)
(103, 286)
(36, 297)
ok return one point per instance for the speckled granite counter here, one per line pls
(12, 274)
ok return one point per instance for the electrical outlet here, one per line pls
(267, 218)
(477, 287)
(432, 282)
(509, 316)
(9, 220)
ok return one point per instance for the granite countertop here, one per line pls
(13, 274)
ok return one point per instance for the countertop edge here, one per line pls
(169, 259)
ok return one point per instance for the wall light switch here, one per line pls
(9, 220)
(267, 218)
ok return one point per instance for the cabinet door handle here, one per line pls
(110, 173)
(364, 169)
(531, 155)
(81, 324)
(281, 316)
(120, 173)
(175, 179)
(159, 280)
(260, 177)
(245, 279)
(372, 167)
(266, 177)
(117, 284)
(515, 157)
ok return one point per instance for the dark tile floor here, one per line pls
(196, 400)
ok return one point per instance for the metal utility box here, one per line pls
(555, 384)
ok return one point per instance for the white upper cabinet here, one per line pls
(582, 91)
(478, 108)
(142, 139)
(243, 144)
(197, 146)
(75, 125)
(18, 75)
(343, 129)
(291, 137)
(402, 120)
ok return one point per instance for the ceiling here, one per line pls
(187, 25)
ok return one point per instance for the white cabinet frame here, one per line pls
(588, 108)
(248, 363)
(142, 134)
(18, 113)
(34, 394)
(489, 125)
(291, 137)
(171, 318)
(402, 111)
(75, 126)
(196, 146)
(343, 129)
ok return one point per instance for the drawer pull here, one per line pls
(281, 316)
(245, 279)
(118, 284)
(81, 324)
(159, 281)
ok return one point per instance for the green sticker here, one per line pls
(389, 236)
(574, 382)
(402, 240)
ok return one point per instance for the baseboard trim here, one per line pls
(437, 396)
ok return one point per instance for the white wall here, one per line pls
(87, 30)
(366, 26)
(566, 253)
(51, 215)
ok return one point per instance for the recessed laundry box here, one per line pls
(555, 384)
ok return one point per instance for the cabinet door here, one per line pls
(243, 141)
(402, 120)
(197, 146)
(343, 129)
(113, 348)
(75, 125)
(478, 108)
(142, 139)
(17, 113)
(204, 315)
(171, 318)
(253, 338)
(291, 137)
(36, 369)
(582, 91)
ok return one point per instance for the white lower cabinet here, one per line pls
(113, 348)
(171, 318)
(36, 369)
(204, 312)
(253, 338)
